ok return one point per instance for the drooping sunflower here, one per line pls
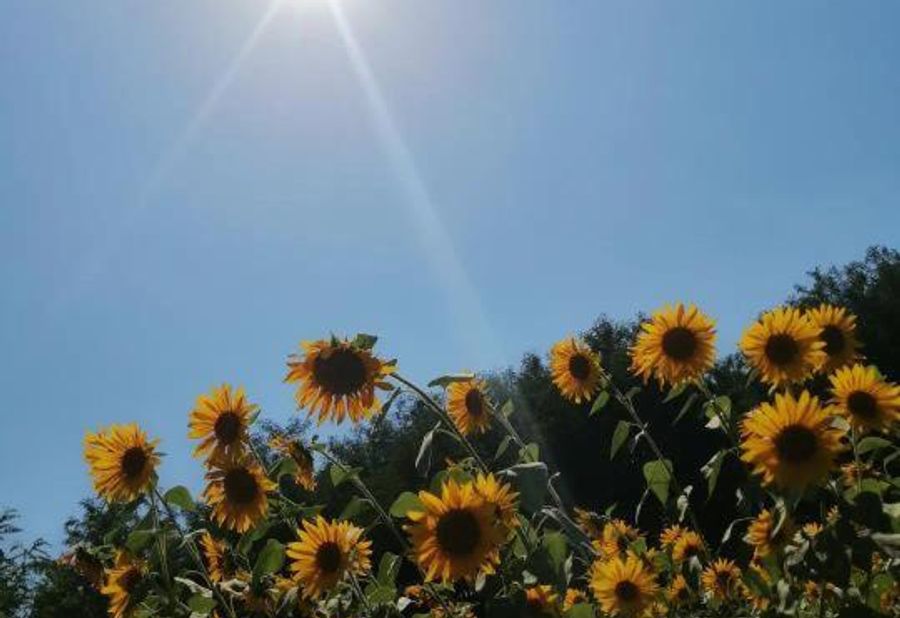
(622, 587)
(574, 597)
(866, 399)
(721, 580)
(325, 553)
(236, 491)
(590, 523)
(783, 346)
(221, 421)
(837, 333)
(616, 538)
(305, 476)
(676, 345)
(575, 369)
(790, 443)
(457, 534)
(122, 582)
(122, 461)
(689, 545)
(541, 599)
(215, 557)
(469, 406)
(501, 496)
(337, 378)
(670, 535)
(679, 592)
(763, 536)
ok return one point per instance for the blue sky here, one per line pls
(190, 188)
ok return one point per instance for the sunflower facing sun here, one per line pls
(676, 345)
(122, 461)
(122, 582)
(865, 398)
(790, 443)
(501, 496)
(236, 491)
(783, 346)
(325, 553)
(838, 334)
(469, 406)
(221, 421)
(337, 378)
(623, 587)
(575, 369)
(456, 535)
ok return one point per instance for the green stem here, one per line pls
(161, 546)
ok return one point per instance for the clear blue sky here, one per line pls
(190, 188)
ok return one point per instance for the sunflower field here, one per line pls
(805, 428)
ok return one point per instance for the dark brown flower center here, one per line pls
(691, 550)
(458, 532)
(474, 402)
(679, 343)
(328, 557)
(240, 486)
(834, 340)
(627, 591)
(228, 427)
(781, 350)
(133, 462)
(342, 372)
(130, 580)
(579, 367)
(300, 455)
(723, 579)
(796, 444)
(862, 404)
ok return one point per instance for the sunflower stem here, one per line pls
(713, 401)
(161, 546)
(354, 583)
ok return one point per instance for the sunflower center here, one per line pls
(691, 550)
(130, 580)
(240, 486)
(474, 403)
(458, 532)
(342, 372)
(796, 444)
(862, 404)
(723, 579)
(579, 367)
(133, 462)
(627, 591)
(328, 557)
(679, 343)
(834, 340)
(228, 427)
(782, 349)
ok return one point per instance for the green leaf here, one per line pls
(341, 474)
(656, 473)
(423, 459)
(270, 560)
(364, 341)
(405, 502)
(507, 409)
(675, 392)
(530, 453)
(531, 481)
(599, 403)
(388, 569)
(201, 604)
(180, 496)
(871, 443)
(501, 449)
(711, 471)
(355, 507)
(446, 380)
(581, 610)
(554, 543)
(138, 540)
(685, 408)
(620, 435)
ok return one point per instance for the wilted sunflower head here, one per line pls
(469, 406)
(623, 586)
(790, 443)
(457, 534)
(501, 496)
(783, 346)
(221, 421)
(236, 491)
(575, 369)
(837, 333)
(541, 599)
(123, 582)
(721, 580)
(325, 553)
(769, 532)
(676, 345)
(337, 378)
(122, 461)
(866, 399)
(302, 458)
(689, 545)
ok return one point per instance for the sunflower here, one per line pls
(325, 553)
(574, 597)
(838, 333)
(337, 378)
(763, 536)
(122, 582)
(679, 592)
(216, 559)
(790, 443)
(221, 421)
(722, 579)
(305, 475)
(783, 346)
(541, 599)
(865, 398)
(689, 545)
(501, 496)
(622, 587)
(616, 538)
(575, 369)
(455, 535)
(852, 473)
(669, 536)
(812, 529)
(86, 564)
(122, 461)
(236, 491)
(589, 522)
(676, 345)
(468, 406)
